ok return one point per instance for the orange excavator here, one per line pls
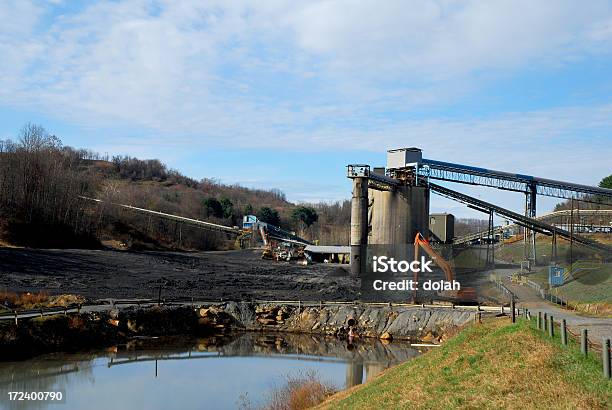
(463, 295)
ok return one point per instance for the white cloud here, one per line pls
(445, 38)
(315, 75)
(181, 66)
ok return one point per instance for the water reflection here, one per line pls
(194, 373)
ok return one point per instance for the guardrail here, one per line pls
(496, 279)
(545, 294)
(16, 314)
(503, 289)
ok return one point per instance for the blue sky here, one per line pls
(285, 94)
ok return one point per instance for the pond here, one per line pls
(223, 372)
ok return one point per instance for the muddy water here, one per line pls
(213, 373)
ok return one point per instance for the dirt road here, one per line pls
(236, 275)
(598, 328)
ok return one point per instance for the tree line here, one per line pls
(43, 184)
(589, 201)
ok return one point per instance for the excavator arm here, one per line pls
(421, 242)
(468, 294)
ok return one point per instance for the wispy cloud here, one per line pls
(319, 75)
(229, 68)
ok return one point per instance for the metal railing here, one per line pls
(16, 314)
(107, 304)
(545, 294)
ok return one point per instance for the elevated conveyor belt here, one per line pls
(273, 231)
(185, 220)
(593, 217)
(465, 174)
(477, 235)
(530, 223)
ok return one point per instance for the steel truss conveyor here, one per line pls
(583, 218)
(522, 220)
(530, 185)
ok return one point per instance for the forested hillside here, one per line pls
(42, 183)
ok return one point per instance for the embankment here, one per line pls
(494, 365)
(79, 331)
(386, 322)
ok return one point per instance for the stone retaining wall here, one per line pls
(86, 330)
(407, 323)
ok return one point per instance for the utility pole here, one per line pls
(532, 214)
(571, 234)
(553, 251)
(525, 238)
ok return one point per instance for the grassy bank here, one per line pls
(591, 295)
(513, 252)
(496, 364)
(594, 285)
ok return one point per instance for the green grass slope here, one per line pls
(493, 365)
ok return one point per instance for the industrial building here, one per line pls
(390, 206)
(442, 227)
(328, 253)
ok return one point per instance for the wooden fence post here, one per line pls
(551, 326)
(545, 324)
(584, 344)
(605, 355)
(563, 333)
(539, 320)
